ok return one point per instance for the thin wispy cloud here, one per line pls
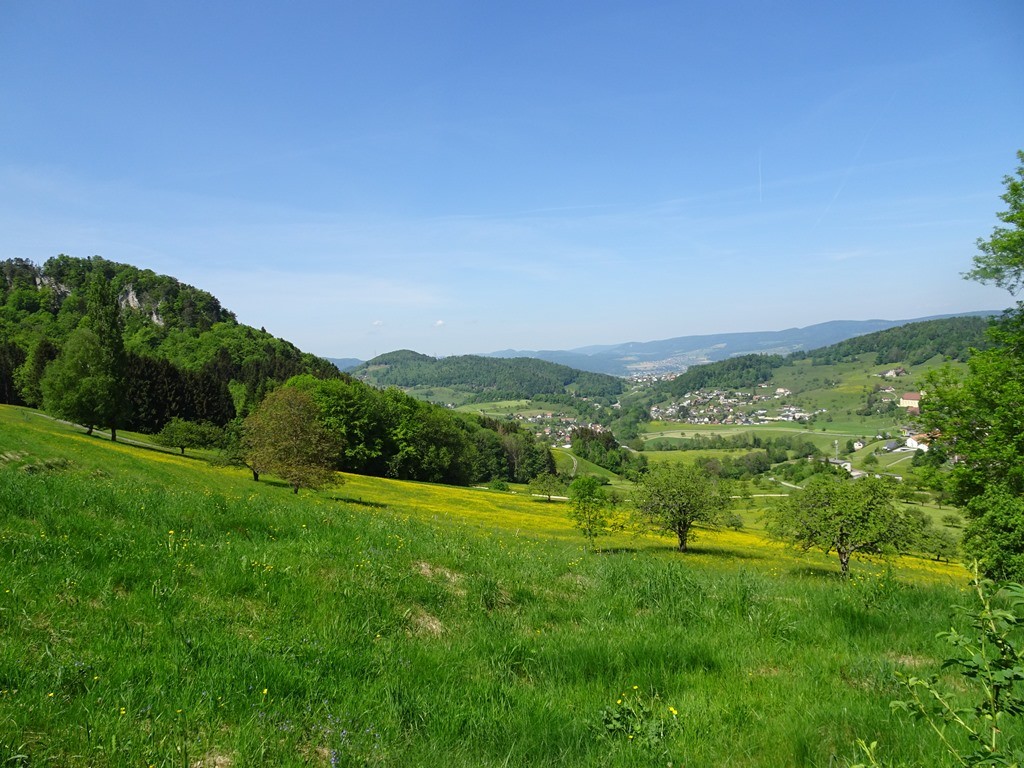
(577, 181)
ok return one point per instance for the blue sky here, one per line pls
(458, 177)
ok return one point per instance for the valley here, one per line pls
(304, 567)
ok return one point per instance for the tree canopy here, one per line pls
(848, 517)
(976, 419)
(181, 434)
(589, 507)
(913, 343)
(76, 387)
(388, 433)
(674, 497)
(283, 436)
(171, 348)
(1000, 258)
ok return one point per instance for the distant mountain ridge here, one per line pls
(676, 354)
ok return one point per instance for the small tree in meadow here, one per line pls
(181, 434)
(675, 497)
(589, 508)
(548, 485)
(284, 437)
(846, 516)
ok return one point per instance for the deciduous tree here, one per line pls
(76, 386)
(1000, 258)
(674, 497)
(547, 484)
(182, 434)
(284, 437)
(589, 508)
(848, 517)
(103, 317)
(976, 419)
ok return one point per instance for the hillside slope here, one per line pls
(490, 378)
(188, 355)
(178, 614)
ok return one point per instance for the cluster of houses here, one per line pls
(718, 406)
(555, 427)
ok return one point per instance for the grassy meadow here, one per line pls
(158, 611)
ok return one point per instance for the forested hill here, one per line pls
(111, 346)
(914, 343)
(951, 337)
(493, 378)
(735, 373)
(186, 355)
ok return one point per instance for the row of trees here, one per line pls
(831, 513)
(309, 429)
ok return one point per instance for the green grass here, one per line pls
(157, 611)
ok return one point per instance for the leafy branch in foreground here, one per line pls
(990, 659)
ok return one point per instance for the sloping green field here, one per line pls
(158, 611)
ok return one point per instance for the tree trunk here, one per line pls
(295, 488)
(255, 476)
(683, 534)
(844, 562)
(113, 434)
(182, 450)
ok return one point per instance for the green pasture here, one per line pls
(442, 395)
(158, 611)
(571, 465)
(823, 439)
(692, 457)
(498, 408)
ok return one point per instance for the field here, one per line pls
(159, 611)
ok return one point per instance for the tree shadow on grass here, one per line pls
(360, 502)
(275, 483)
(729, 554)
(615, 551)
(816, 572)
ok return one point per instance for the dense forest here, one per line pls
(491, 378)
(734, 373)
(184, 354)
(109, 345)
(914, 343)
(600, 447)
